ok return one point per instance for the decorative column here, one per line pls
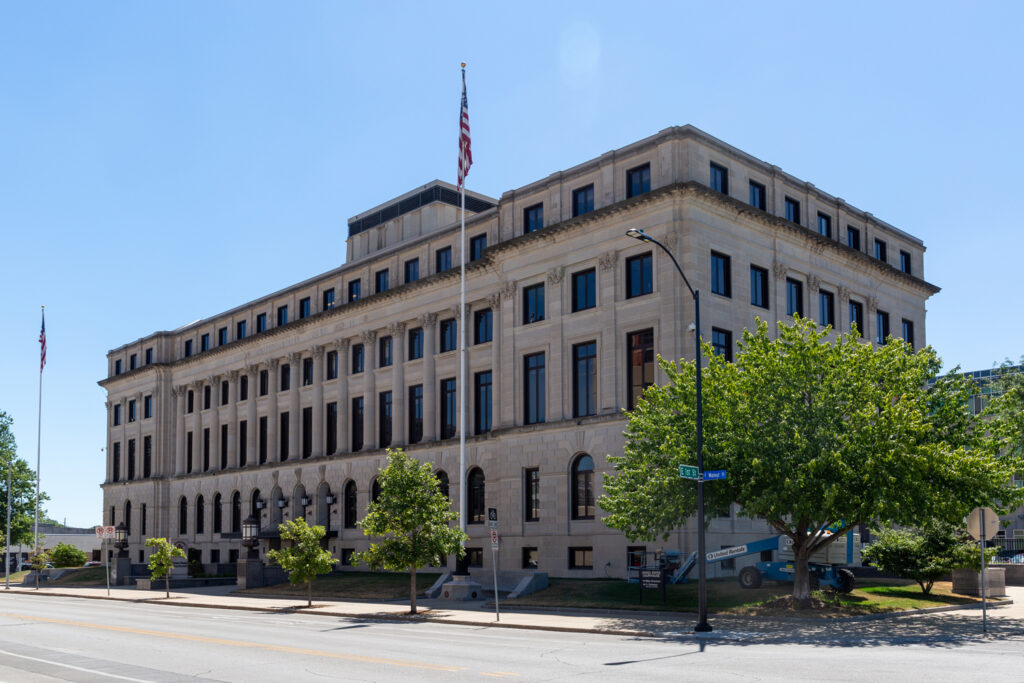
(272, 418)
(180, 397)
(344, 410)
(233, 418)
(318, 401)
(252, 423)
(294, 414)
(507, 368)
(429, 323)
(370, 436)
(398, 393)
(110, 442)
(494, 300)
(215, 427)
(197, 432)
(843, 310)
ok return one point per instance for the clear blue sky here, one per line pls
(164, 161)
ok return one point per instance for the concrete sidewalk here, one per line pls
(948, 626)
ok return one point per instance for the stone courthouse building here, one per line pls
(283, 406)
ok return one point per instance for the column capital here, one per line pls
(396, 329)
(233, 375)
(779, 270)
(294, 357)
(813, 283)
(252, 368)
(508, 290)
(428, 320)
(494, 300)
(317, 352)
(342, 345)
(273, 364)
(368, 337)
(555, 275)
(608, 260)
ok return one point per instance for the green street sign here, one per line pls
(688, 472)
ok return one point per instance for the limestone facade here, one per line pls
(224, 384)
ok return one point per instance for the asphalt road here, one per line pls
(53, 638)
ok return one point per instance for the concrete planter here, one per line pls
(968, 582)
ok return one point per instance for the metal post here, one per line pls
(7, 545)
(494, 566)
(984, 605)
(106, 560)
(702, 571)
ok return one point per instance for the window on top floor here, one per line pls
(792, 210)
(533, 218)
(328, 299)
(380, 281)
(477, 244)
(282, 315)
(204, 342)
(222, 336)
(719, 178)
(905, 261)
(758, 195)
(852, 237)
(117, 363)
(881, 251)
(188, 349)
(824, 225)
(240, 329)
(261, 323)
(354, 290)
(133, 361)
(583, 200)
(443, 259)
(638, 180)
(412, 270)
(149, 356)
(305, 308)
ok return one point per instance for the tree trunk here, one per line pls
(167, 584)
(801, 576)
(309, 593)
(412, 589)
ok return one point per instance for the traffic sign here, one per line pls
(974, 524)
(688, 472)
(105, 532)
(492, 518)
(494, 539)
(712, 475)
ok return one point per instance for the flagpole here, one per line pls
(7, 544)
(464, 489)
(39, 436)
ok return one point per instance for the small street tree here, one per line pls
(161, 560)
(23, 483)
(38, 561)
(304, 560)
(818, 436)
(925, 554)
(411, 520)
(67, 555)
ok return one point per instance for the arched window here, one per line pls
(200, 515)
(183, 516)
(236, 512)
(350, 505)
(218, 517)
(475, 503)
(323, 511)
(375, 490)
(254, 509)
(583, 487)
(442, 483)
(128, 518)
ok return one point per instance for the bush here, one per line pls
(64, 555)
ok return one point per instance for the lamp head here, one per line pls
(637, 234)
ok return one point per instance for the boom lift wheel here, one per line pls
(750, 577)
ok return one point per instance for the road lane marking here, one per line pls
(237, 643)
(76, 668)
(497, 674)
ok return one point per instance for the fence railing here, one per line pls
(1011, 550)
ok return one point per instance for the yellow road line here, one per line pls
(236, 643)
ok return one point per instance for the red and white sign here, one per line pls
(105, 532)
(494, 539)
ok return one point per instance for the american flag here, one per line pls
(42, 344)
(465, 153)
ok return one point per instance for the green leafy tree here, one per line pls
(161, 560)
(818, 436)
(924, 554)
(39, 561)
(411, 520)
(1007, 410)
(305, 559)
(66, 555)
(23, 487)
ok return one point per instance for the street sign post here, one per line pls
(492, 518)
(983, 523)
(492, 521)
(104, 533)
(688, 472)
(714, 475)
(653, 578)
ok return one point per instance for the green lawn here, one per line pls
(354, 586)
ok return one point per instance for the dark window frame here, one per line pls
(639, 275)
(638, 180)
(533, 218)
(584, 290)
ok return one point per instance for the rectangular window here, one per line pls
(640, 347)
(358, 357)
(263, 440)
(357, 423)
(533, 304)
(757, 195)
(283, 434)
(415, 343)
(131, 411)
(243, 388)
(533, 389)
(584, 290)
(331, 417)
(721, 343)
(531, 488)
(282, 315)
(449, 335)
(332, 365)
(116, 464)
(482, 326)
(477, 245)
(147, 459)
(857, 317)
(882, 319)
(222, 336)
(826, 309)
(416, 413)
(581, 558)
(264, 382)
(147, 407)
(384, 418)
(188, 352)
(584, 379)
(792, 210)
(529, 557)
(285, 377)
(189, 453)
(355, 288)
(533, 218)
(449, 414)
(328, 299)
(412, 270)
(852, 237)
(117, 414)
(384, 352)
(482, 402)
(721, 274)
(824, 225)
(719, 178)
(759, 286)
(881, 252)
(223, 447)
(206, 449)
(307, 372)
(638, 180)
(117, 363)
(794, 297)
(582, 200)
(381, 281)
(474, 557)
(639, 275)
(204, 342)
(224, 389)
(305, 308)
(243, 442)
(905, 261)
(261, 323)
(443, 260)
(131, 461)
(206, 397)
(149, 356)
(133, 361)
(240, 329)
(191, 401)
(908, 332)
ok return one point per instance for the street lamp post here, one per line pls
(250, 536)
(121, 539)
(702, 578)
